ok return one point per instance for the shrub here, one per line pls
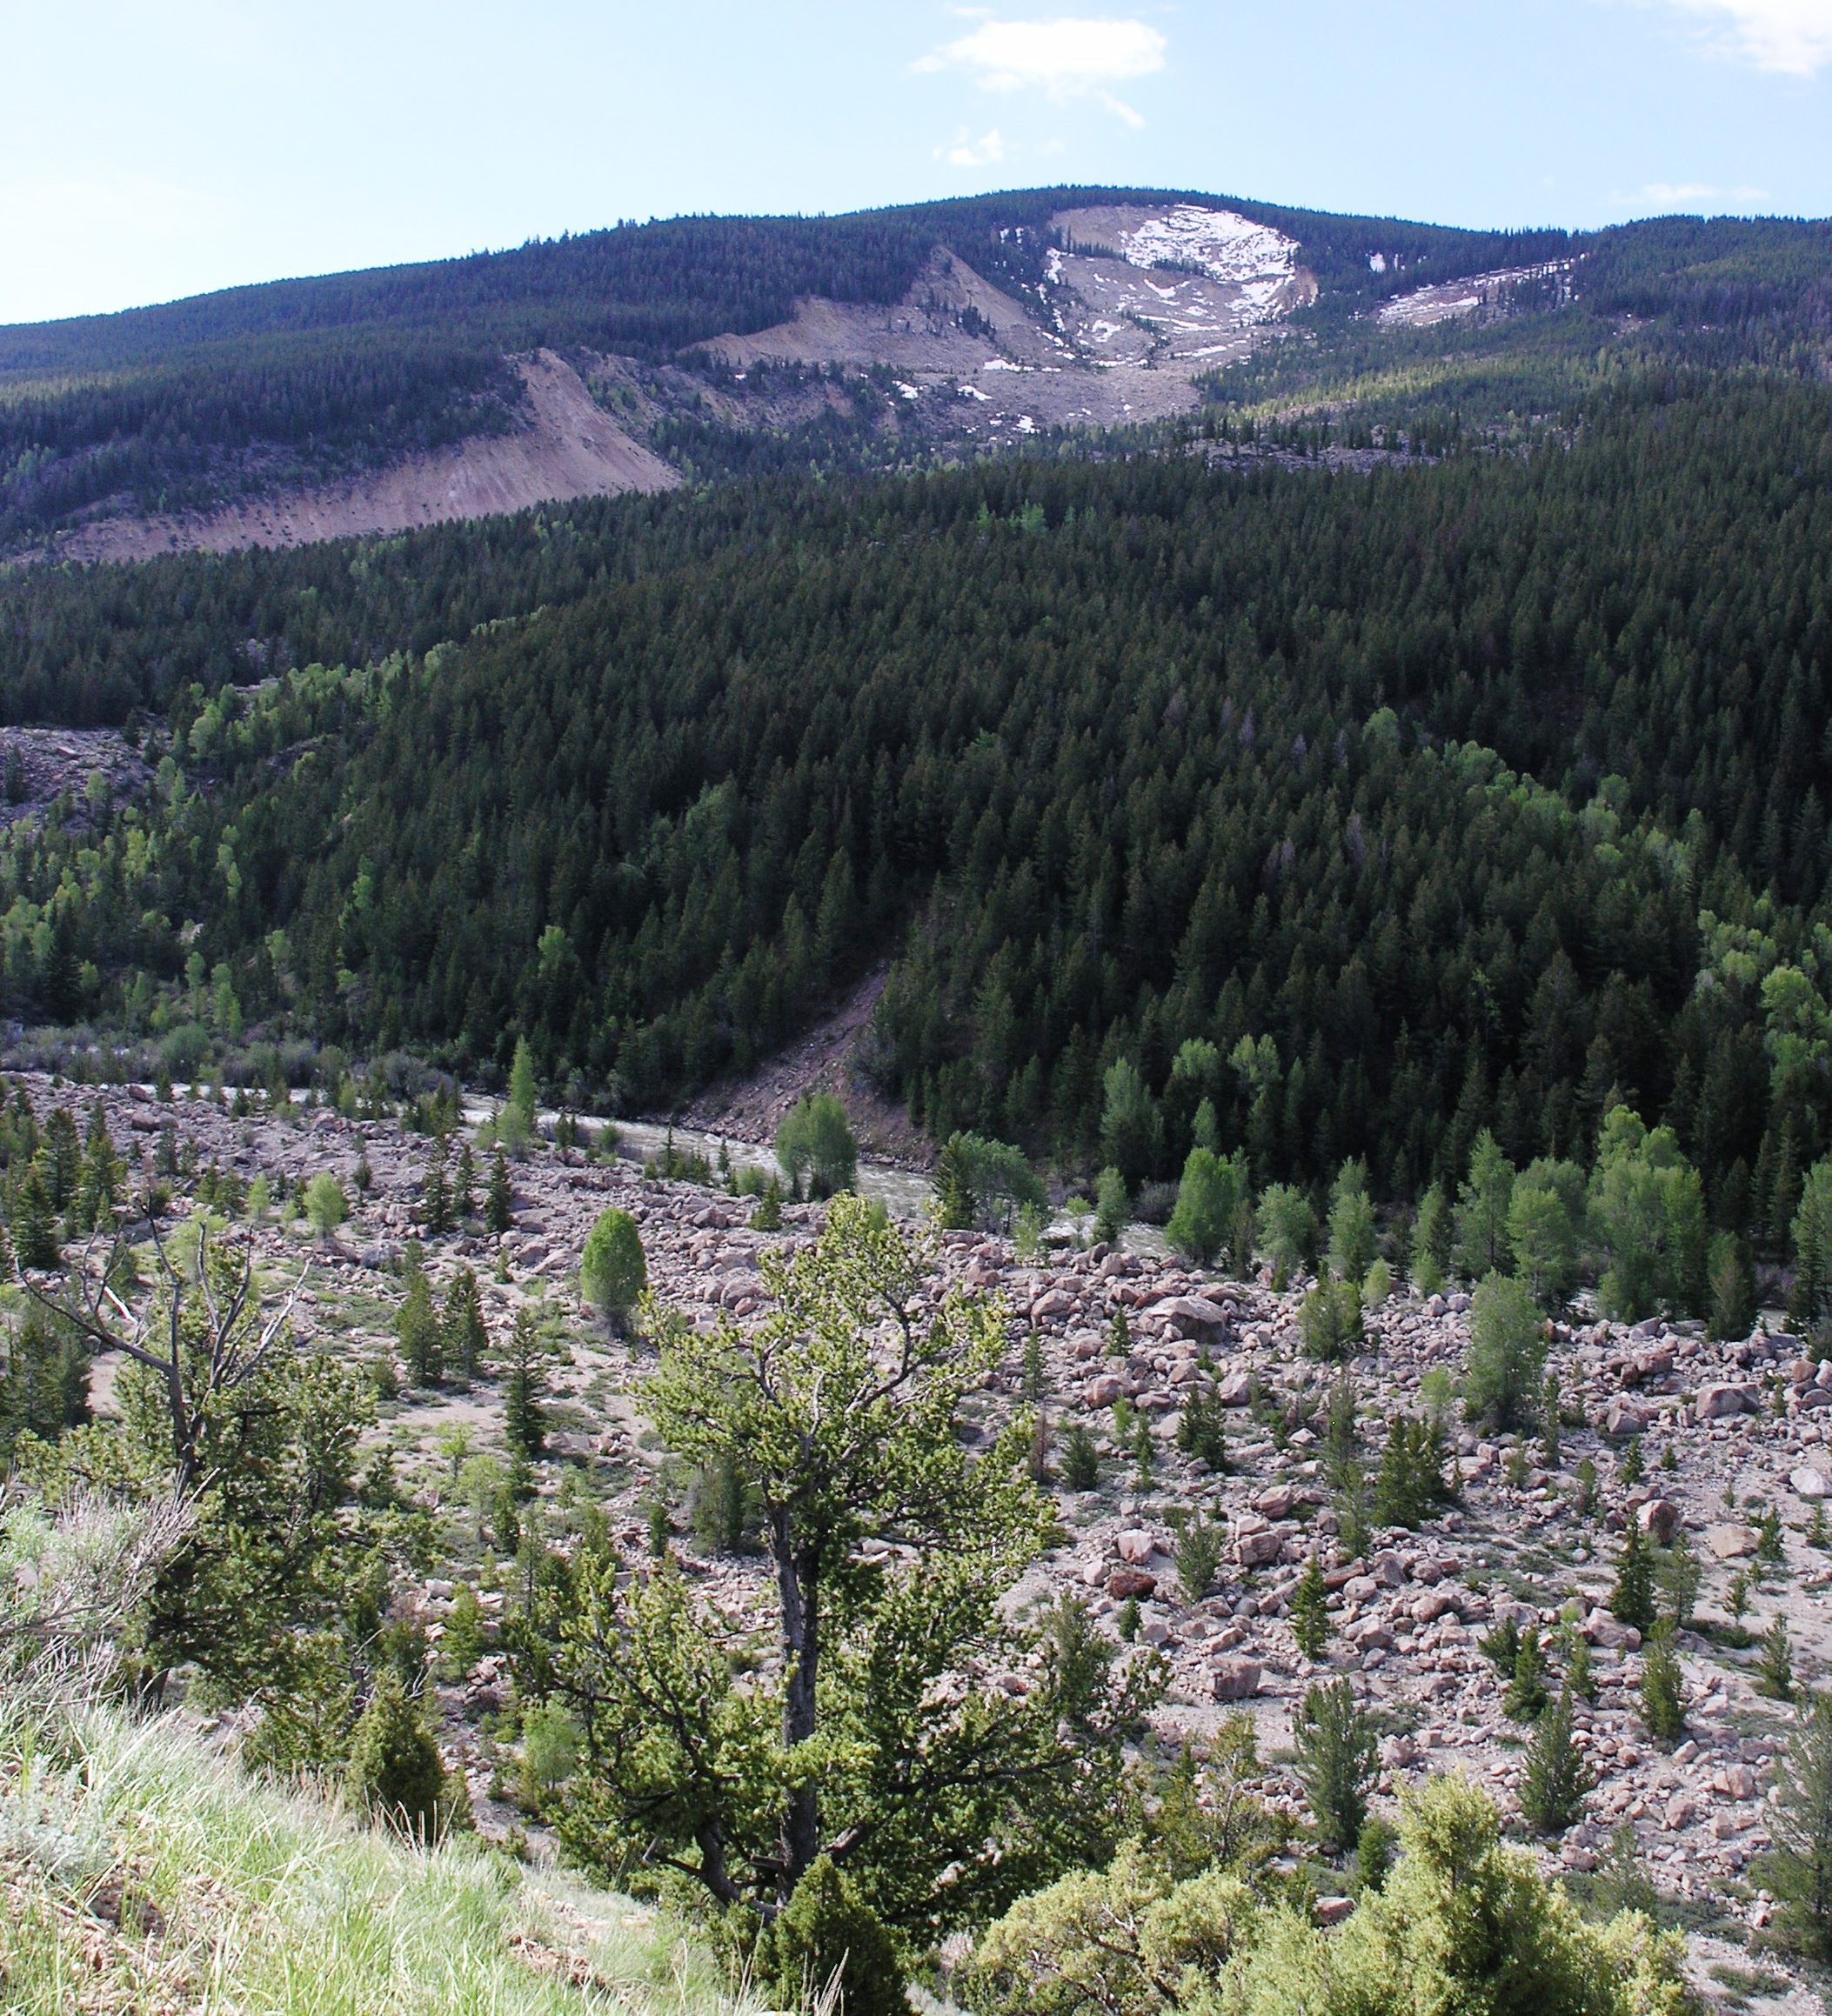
(1330, 1319)
(1506, 1353)
(826, 1933)
(1209, 1199)
(814, 1142)
(1081, 1460)
(326, 1205)
(395, 1771)
(1199, 1547)
(1202, 1431)
(612, 1271)
(1335, 1760)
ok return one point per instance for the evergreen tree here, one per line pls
(524, 1427)
(1351, 1223)
(33, 1224)
(499, 1208)
(395, 1769)
(416, 1331)
(466, 1341)
(464, 1189)
(1662, 1699)
(1631, 1601)
(436, 1192)
(1526, 1695)
(1310, 1611)
(1799, 1869)
(1335, 1759)
(1555, 1779)
(1774, 1675)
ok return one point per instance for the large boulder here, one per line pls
(1624, 1418)
(1136, 1547)
(1235, 1677)
(1104, 1390)
(1132, 1583)
(1732, 1543)
(1194, 1315)
(1724, 1398)
(1660, 1520)
(1806, 1482)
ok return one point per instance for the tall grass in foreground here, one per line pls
(140, 1872)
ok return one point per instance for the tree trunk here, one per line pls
(799, 1593)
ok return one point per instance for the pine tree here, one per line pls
(1775, 1673)
(35, 1227)
(1663, 1707)
(1555, 1779)
(465, 1340)
(417, 1330)
(500, 1209)
(1632, 1599)
(524, 1426)
(1800, 1870)
(1335, 1758)
(436, 1193)
(395, 1769)
(464, 1189)
(1526, 1695)
(1310, 1611)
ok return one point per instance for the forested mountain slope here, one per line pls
(1472, 793)
(887, 338)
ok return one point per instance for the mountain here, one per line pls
(633, 358)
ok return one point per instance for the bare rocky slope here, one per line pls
(1726, 1431)
(564, 445)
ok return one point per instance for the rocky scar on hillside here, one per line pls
(1729, 1440)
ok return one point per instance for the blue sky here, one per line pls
(149, 151)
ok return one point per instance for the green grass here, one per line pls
(233, 1895)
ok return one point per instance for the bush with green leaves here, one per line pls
(1506, 1357)
(984, 1183)
(1460, 1923)
(1209, 1198)
(815, 1147)
(614, 1271)
(1481, 1242)
(1287, 1230)
(1330, 1320)
(1647, 1210)
(1334, 1757)
(326, 1204)
(1351, 1223)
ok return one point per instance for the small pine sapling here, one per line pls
(1775, 1671)
(1663, 1707)
(1310, 1611)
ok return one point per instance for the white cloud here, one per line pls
(1668, 194)
(1790, 36)
(987, 151)
(1066, 59)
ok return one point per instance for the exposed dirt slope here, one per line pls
(826, 1060)
(568, 447)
